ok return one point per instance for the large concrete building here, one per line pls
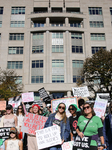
(46, 41)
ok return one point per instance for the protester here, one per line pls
(30, 110)
(32, 143)
(81, 103)
(93, 129)
(59, 118)
(20, 116)
(25, 146)
(46, 112)
(73, 109)
(9, 120)
(107, 128)
(13, 143)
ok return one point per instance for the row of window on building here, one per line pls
(58, 63)
(21, 11)
(56, 48)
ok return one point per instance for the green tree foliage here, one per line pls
(97, 72)
(9, 85)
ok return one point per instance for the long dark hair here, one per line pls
(64, 117)
(17, 137)
(17, 112)
(91, 105)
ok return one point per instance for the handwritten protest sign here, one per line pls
(67, 101)
(44, 96)
(82, 143)
(15, 102)
(33, 122)
(48, 137)
(100, 107)
(80, 91)
(4, 132)
(28, 97)
(67, 145)
(2, 105)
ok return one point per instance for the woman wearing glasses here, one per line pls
(73, 109)
(20, 115)
(93, 129)
(59, 118)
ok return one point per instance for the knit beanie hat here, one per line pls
(77, 109)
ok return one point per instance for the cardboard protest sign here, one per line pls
(66, 101)
(100, 107)
(28, 97)
(15, 102)
(67, 145)
(104, 96)
(48, 137)
(2, 105)
(44, 96)
(33, 122)
(82, 144)
(4, 132)
(80, 91)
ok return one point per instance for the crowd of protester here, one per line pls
(82, 122)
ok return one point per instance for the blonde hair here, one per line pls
(64, 117)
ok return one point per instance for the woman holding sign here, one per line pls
(32, 143)
(91, 126)
(59, 118)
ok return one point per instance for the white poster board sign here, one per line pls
(104, 96)
(67, 145)
(100, 107)
(28, 97)
(66, 101)
(80, 91)
(33, 122)
(48, 137)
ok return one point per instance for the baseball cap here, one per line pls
(9, 107)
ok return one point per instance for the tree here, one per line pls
(9, 85)
(97, 72)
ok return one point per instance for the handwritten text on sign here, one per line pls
(33, 122)
(48, 137)
(28, 97)
(66, 101)
(82, 144)
(4, 132)
(80, 91)
(100, 107)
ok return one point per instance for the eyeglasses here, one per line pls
(60, 107)
(86, 107)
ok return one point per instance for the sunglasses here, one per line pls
(60, 107)
(12, 132)
(86, 107)
(70, 109)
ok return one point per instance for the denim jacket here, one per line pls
(65, 127)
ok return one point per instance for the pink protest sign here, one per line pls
(28, 97)
(33, 122)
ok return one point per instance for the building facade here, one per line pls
(47, 41)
